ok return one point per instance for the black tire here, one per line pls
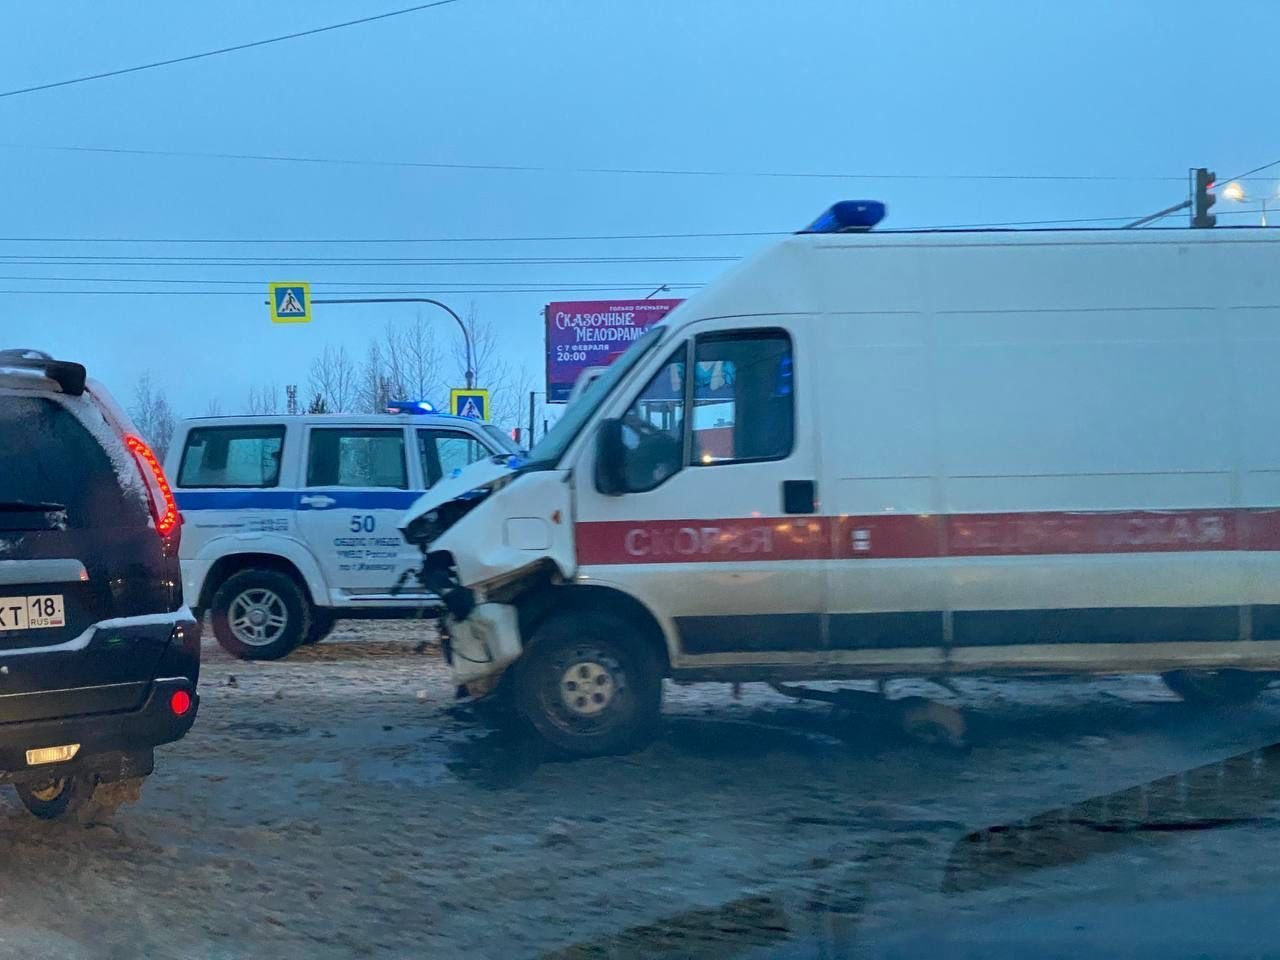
(1217, 688)
(277, 597)
(322, 623)
(618, 705)
(57, 797)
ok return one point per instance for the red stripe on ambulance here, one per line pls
(704, 541)
(907, 536)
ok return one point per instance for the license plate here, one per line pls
(32, 613)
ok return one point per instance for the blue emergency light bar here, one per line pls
(409, 406)
(848, 216)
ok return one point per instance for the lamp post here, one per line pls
(1235, 191)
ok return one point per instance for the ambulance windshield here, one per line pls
(547, 451)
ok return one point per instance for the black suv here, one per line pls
(98, 657)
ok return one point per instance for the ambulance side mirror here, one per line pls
(611, 459)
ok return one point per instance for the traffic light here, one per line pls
(1201, 217)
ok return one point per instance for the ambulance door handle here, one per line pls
(319, 501)
(799, 496)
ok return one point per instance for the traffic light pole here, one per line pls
(466, 335)
(1156, 216)
(1199, 203)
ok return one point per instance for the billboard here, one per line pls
(593, 333)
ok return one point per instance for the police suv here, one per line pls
(290, 521)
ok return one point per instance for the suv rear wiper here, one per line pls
(30, 506)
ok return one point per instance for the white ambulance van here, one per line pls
(870, 454)
(290, 521)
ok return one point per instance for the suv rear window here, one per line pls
(240, 456)
(49, 457)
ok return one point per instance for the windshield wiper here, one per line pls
(30, 506)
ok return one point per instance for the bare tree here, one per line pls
(264, 399)
(152, 415)
(333, 377)
(404, 364)
(413, 357)
(509, 386)
(213, 408)
(376, 387)
(485, 354)
(509, 398)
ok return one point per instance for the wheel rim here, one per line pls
(587, 688)
(258, 617)
(50, 790)
(583, 688)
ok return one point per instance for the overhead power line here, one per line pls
(221, 50)
(425, 292)
(1249, 173)
(369, 240)
(553, 168)
(29, 260)
(172, 260)
(325, 282)
(529, 238)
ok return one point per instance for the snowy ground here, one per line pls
(333, 805)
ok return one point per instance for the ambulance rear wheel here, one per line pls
(1217, 688)
(590, 685)
(260, 614)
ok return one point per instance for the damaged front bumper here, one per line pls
(483, 644)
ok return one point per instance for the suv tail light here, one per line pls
(164, 509)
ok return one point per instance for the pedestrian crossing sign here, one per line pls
(290, 302)
(469, 402)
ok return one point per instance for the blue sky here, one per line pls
(1080, 88)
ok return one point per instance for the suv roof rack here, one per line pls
(69, 377)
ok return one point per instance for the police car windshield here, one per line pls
(547, 451)
(503, 441)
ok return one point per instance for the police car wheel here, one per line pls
(322, 622)
(1217, 688)
(589, 685)
(260, 614)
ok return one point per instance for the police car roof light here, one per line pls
(409, 406)
(848, 216)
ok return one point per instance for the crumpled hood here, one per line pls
(461, 482)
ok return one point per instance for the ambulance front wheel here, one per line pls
(260, 614)
(590, 685)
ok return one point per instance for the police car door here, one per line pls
(356, 485)
(717, 530)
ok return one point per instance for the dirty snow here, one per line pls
(337, 804)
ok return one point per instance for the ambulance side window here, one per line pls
(743, 398)
(653, 428)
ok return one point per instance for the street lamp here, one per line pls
(466, 335)
(1235, 191)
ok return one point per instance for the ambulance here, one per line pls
(868, 454)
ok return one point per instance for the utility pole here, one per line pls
(532, 394)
